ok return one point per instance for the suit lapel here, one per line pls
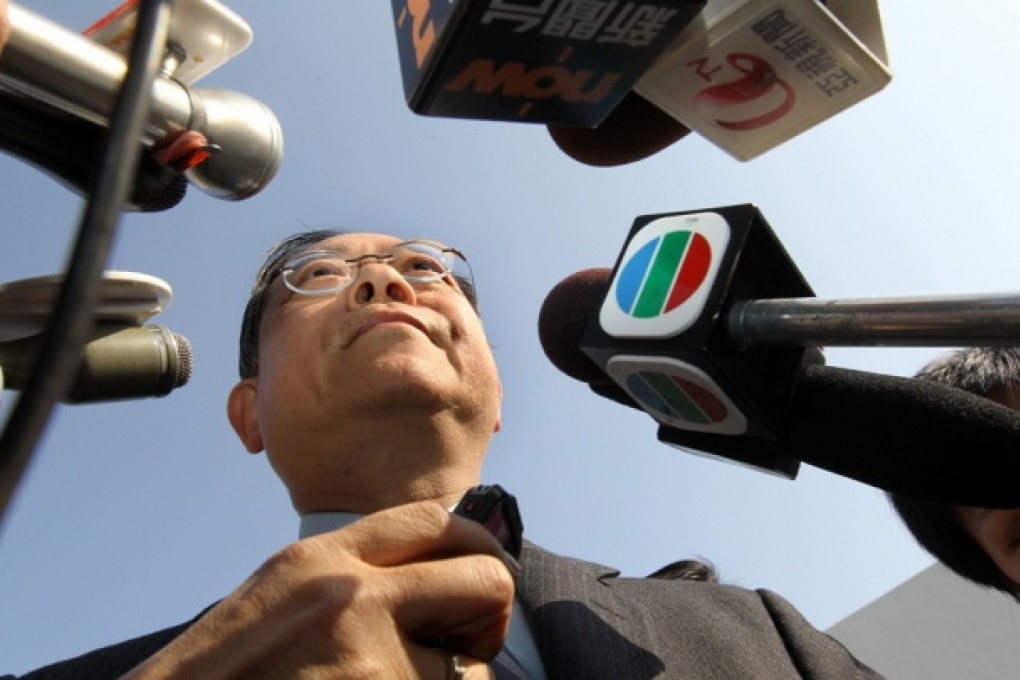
(582, 629)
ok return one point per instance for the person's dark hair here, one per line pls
(687, 570)
(992, 372)
(276, 258)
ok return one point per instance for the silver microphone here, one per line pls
(66, 70)
(118, 362)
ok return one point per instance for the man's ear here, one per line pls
(243, 415)
(499, 410)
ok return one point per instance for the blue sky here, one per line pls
(136, 515)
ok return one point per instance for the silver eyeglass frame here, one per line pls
(446, 256)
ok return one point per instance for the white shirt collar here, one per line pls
(315, 523)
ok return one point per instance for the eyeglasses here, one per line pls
(322, 272)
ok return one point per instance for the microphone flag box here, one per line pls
(204, 34)
(542, 61)
(749, 75)
(661, 331)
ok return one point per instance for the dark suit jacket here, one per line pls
(590, 624)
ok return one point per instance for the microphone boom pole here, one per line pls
(951, 321)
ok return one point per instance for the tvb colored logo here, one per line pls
(663, 274)
(666, 274)
(677, 394)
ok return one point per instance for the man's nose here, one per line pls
(377, 281)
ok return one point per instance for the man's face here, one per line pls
(338, 368)
(998, 531)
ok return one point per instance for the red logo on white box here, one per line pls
(758, 98)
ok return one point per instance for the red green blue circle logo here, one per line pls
(663, 274)
(677, 393)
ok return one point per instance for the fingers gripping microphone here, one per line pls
(65, 70)
(714, 392)
(117, 362)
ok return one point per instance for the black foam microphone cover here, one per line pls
(906, 436)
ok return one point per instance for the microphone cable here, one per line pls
(72, 315)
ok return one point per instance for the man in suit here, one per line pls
(368, 381)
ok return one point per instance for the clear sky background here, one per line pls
(136, 515)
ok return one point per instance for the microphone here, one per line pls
(747, 76)
(66, 147)
(634, 130)
(530, 62)
(118, 362)
(74, 74)
(753, 388)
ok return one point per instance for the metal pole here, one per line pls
(952, 321)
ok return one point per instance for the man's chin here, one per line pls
(394, 380)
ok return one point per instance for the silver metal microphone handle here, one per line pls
(70, 72)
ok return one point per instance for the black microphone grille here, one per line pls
(185, 361)
(171, 195)
(156, 187)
